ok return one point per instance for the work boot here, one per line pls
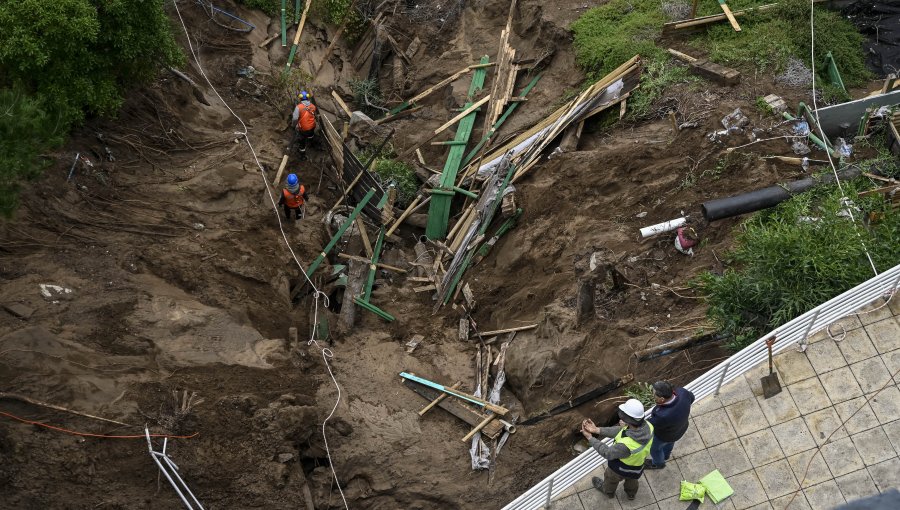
(597, 482)
(648, 464)
(630, 496)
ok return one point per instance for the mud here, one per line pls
(180, 282)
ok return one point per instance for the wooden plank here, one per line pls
(508, 330)
(681, 56)
(424, 288)
(478, 427)
(440, 398)
(380, 264)
(297, 36)
(341, 103)
(729, 15)
(284, 160)
(462, 411)
(364, 235)
(462, 115)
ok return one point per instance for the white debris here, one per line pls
(50, 291)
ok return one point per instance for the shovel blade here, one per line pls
(770, 385)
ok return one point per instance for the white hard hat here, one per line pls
(633, 407)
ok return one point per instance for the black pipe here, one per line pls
(721, 208)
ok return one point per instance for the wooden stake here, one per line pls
(478, 427)
(341, 103)
(365, 236)
(730, 16)
(508, 330)
(379, 265)
(22, 398)
(438, 400)
(284, 160)
(409, 210)
(463, 114)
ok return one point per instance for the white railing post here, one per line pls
(721, 379)
(549, 492)
(804, 342)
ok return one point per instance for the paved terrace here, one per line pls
(763, 447)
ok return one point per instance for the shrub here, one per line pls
(63, 60)
(769, 38)
(26, 129)
(393, 171)
(795, 256)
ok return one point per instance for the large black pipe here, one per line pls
(722, 208)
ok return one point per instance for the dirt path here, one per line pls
(180, 280)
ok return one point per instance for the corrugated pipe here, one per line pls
(722, 208)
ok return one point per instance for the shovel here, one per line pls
(770, 384)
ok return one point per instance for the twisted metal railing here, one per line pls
(795, 332)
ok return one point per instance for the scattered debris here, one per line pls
(735, 122)
(55, 292)
(413, 343)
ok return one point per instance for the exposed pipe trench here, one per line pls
(764, 198)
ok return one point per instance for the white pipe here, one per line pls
(665, 226)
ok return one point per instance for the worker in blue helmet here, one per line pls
(304, 120)
(293, 196)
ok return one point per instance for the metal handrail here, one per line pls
(793, 332)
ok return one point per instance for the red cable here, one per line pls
(86, 434)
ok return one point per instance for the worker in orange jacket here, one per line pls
(304, 120)
(293, 196)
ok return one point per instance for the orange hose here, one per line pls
(87, 434)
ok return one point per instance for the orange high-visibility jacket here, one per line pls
(294, 201)
(306, 121)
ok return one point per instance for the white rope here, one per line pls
(812, 56)
(327, 354)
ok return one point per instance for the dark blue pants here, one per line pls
(660, 451)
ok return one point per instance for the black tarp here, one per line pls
(879, 22)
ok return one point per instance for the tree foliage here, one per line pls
(63, 60)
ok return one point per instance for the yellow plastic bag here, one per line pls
(716, 486)
(691, 491)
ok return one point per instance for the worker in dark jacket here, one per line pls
(669, 419)
(632, 440)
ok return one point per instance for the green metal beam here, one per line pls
(833, 74)
(283, 23)
(481, 230)
(297, 11)
(359, 207)
(509, 109)
(370, 281)
(506, 227)
(466, 192)
(374, 309)
(439, 209)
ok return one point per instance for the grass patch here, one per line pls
(769, 38)
(608, 35)
(784, 264)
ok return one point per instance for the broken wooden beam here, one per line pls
(457, 408)
(709, 70)
(440, 398)
(321, 257)
(380, 264)
(472, 399)
(508, 330)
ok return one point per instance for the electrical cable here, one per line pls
(327, 354)
(837, 179)
(88, 434)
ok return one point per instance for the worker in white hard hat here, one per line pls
(632, 439)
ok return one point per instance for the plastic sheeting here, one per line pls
(879, 21)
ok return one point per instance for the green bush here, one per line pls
(786, 263)
(770, 37)
(608, 35)
(63, 60)
(26, 129)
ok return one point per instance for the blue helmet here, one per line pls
(292, 179)
(304, 95)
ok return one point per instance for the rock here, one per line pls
(19, 310)
(55, 292)
(285, 457)
(362, 126)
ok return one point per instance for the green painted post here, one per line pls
(359, 207)
(439, 209)
(815, 139)
(833, 74)
(283, 23)
(297, 11)
(509, 109)
(373, 268)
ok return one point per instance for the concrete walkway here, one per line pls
(790, 451)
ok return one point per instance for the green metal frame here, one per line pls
(370, 282)
(439, 209)
(359, 207)
(509, 109)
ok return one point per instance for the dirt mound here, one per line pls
(180, 283)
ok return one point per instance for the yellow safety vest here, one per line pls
(639, 452)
